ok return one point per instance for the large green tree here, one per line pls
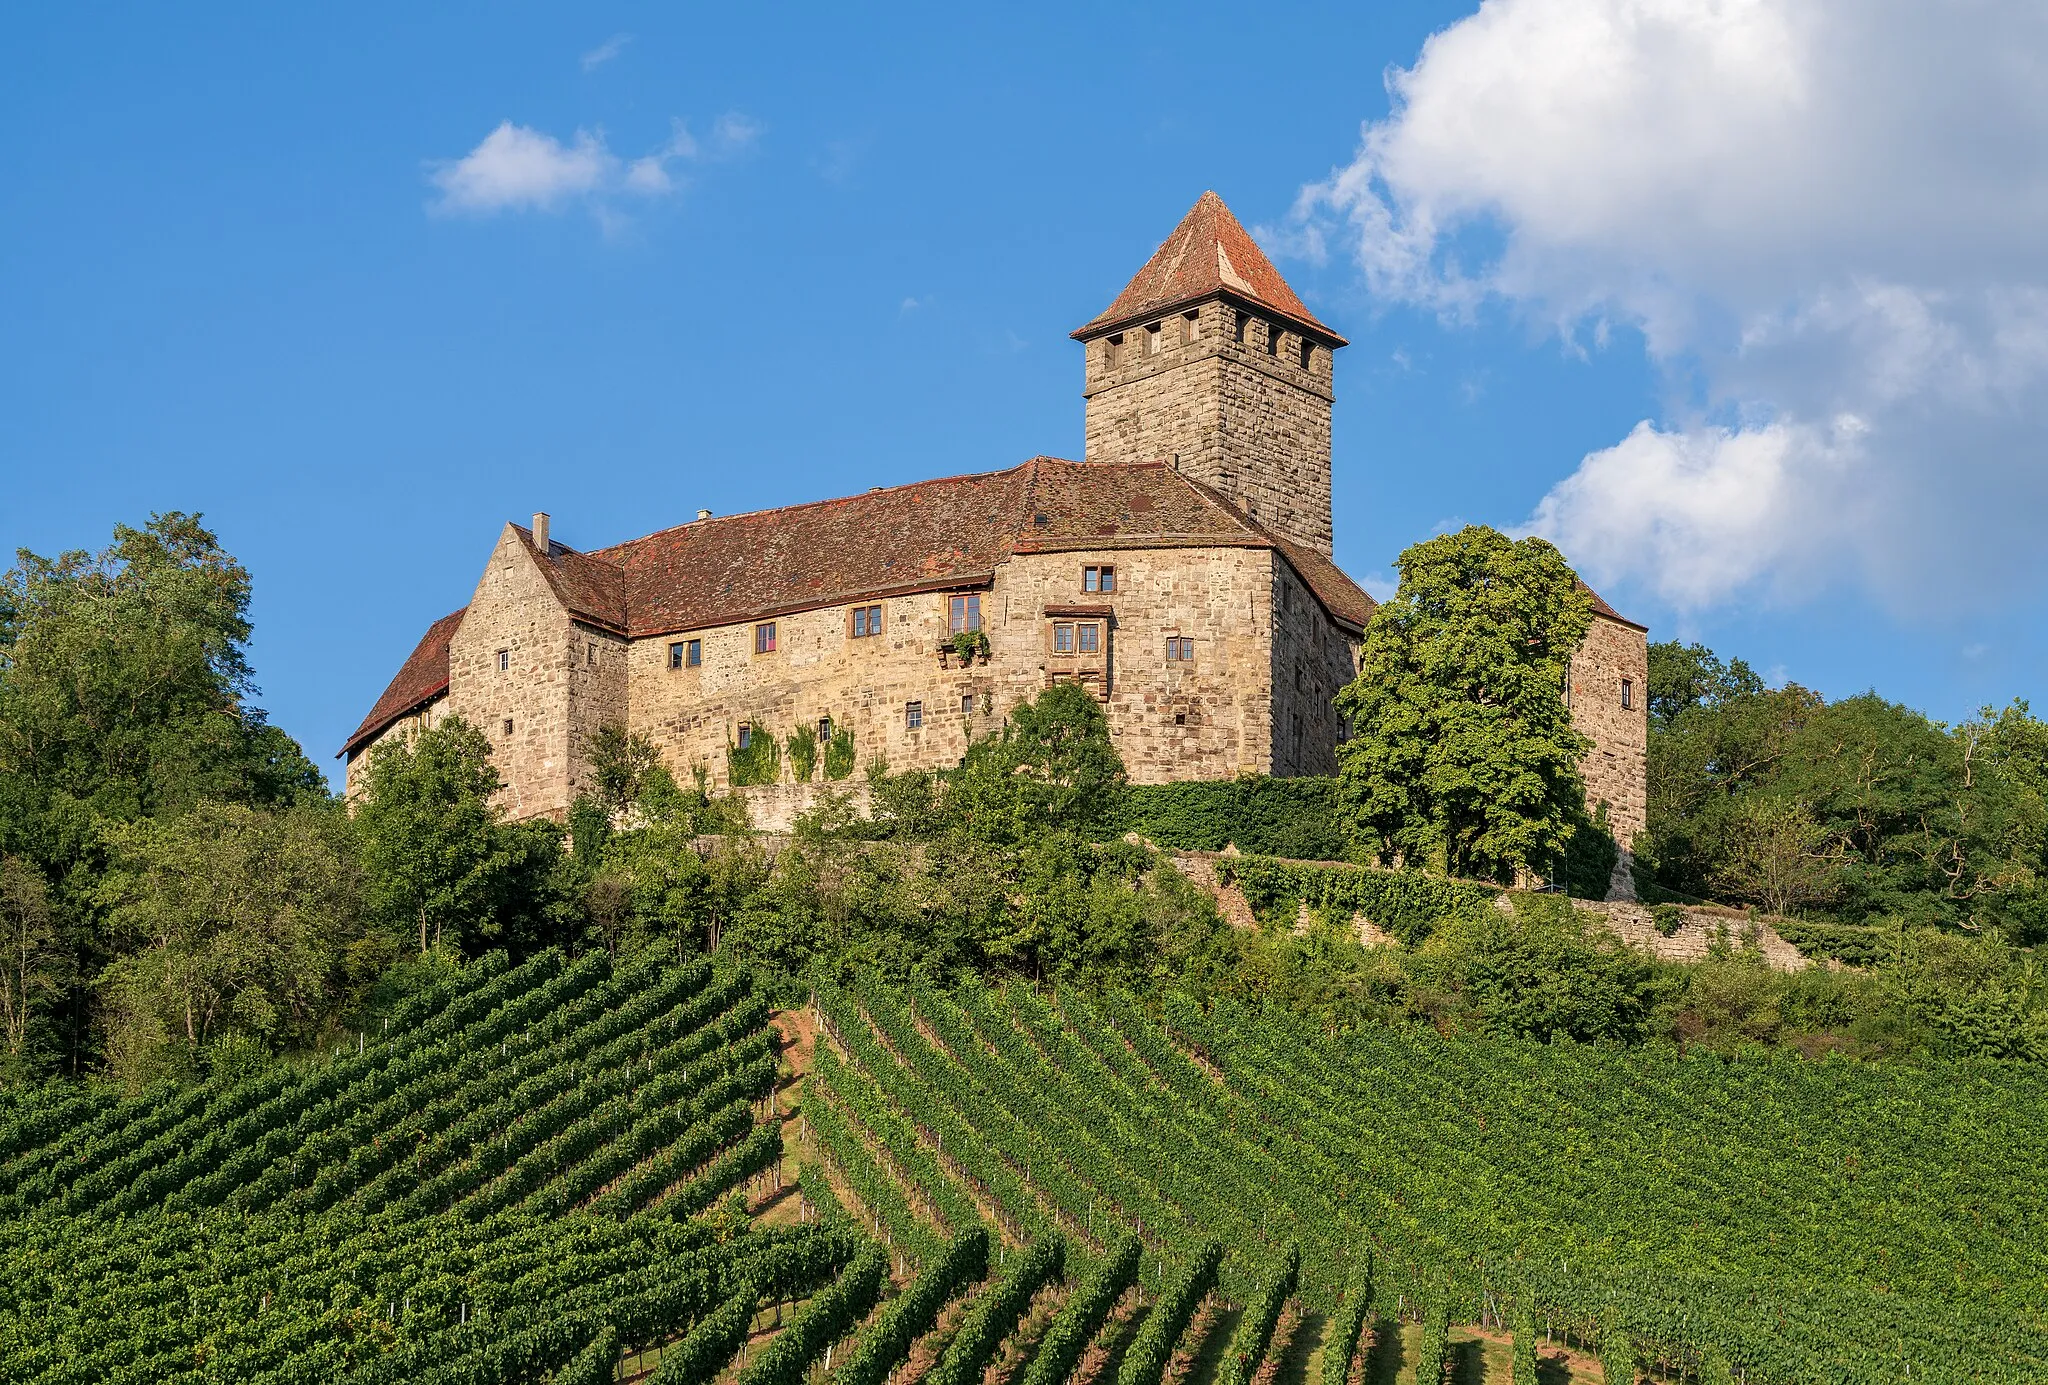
(1461, 755)
(125, 694)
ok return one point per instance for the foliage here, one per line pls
(1586, 870)
(1462, 757)
(1409, 904)
(1145, 1362)
(232, 923)
(759, 761)
(1084, 1313)
(1292, 818)
(1050, 768)
(1543, 973)
(803, 754)
(31, 963)
(967, 645)
(1524, 1366)
(839, 757)
(432, 844)
(1247, 1349)
(619, 766)
(889, 1337)
(824, 1320)
(995, 1311)
(1433, 1356)
(1340, 1345)
(1617, 1355)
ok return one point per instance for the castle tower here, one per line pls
(1208, 360)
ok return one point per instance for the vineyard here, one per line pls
(575, 1171)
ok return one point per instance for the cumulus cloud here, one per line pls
(1823, 216)
(517, 168)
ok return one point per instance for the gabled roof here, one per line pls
(422, 678)
(1601, 608)
(1209, 254)
(937, 535)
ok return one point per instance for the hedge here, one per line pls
(1405, 903)
(1296, 818)
(1349, 1324)
(1145, 1362)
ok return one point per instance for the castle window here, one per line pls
(590, 655)
(1110, 351)
(746, 734)
(1062, 638)
(686, 654)
(1098, 579)
(824, 729)
(1272, 339)
(1244, 325)
(1152, 340)
(1088, 637)
(1628, 693)
(504, 661)
(1180, 649)
(764, 638)
(1308, 353)
(508, 726)
(966, 704)
(965, 613)
(1190, 327)
(913, 715)
(867, 620)
(1180, 718)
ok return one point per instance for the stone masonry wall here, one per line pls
(1616, 769)
(1253, 424)
(516, 610)
(1207, 718)
(1313, 658)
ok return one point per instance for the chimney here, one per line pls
(703, 514)
(540, 531)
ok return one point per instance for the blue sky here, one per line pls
(787, 254)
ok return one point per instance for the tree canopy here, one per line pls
(1461, 755)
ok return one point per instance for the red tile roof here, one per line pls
(929, 536)
(1208, 254)
(422, 678)
(1601, 608)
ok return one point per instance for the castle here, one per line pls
(1182, 573)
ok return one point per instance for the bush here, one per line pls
(1083, 1314)
(760, 762)
(1255, 1329)
(839, 753)
(803, 754)
(1667, 918)
(1145, 1362)
(1295, 818)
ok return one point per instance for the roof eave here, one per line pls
(1308, 325)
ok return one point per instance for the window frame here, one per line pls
(1063, 637)
(1180, 649)
(963, 612)
(504, 661)
(745, 736)
(913, 715)
(1628, 690)
(1099, 579)
(1087, 637)
(678, 650)
(865, 622)
(764, 637)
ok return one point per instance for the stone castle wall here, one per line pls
(1251, 423)
(1313, 659)
(1616, 769)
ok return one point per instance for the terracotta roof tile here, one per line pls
(1601, 608)
(1208, 254)
(422, 678)
(586, 585)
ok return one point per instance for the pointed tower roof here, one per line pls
(1209, 254)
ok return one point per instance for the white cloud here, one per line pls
(517, 168)
(605, 52)
(1824, 216)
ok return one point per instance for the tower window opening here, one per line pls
(1190, 327)
(1152, 340)
(746, 735)
(1628, 694)
(824, 729)
(1244, 323)
(1272, 339)
(1308, 353)
(965, 613)
(508, 726)
(913, 715)
(1111, 349)
(504, 661)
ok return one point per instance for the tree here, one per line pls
(429, 831)
(619, 765)
(1051, 768)
(1462, 757)
(1773, 854)
(234, 921)
(31, 972)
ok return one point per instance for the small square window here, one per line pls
(676, 654)
(1062, 639)
(746, 735)
(1180, 649)
(1088, 637)
(966, 704)
(1180, 718)
(965, 613)
(508, 726)
(1628, 693)
(913, 715)
(504, 661)
(867, 620)
(693, 652)
(1098, 579)
(764, 638)
(590, 655)
(824, 729)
